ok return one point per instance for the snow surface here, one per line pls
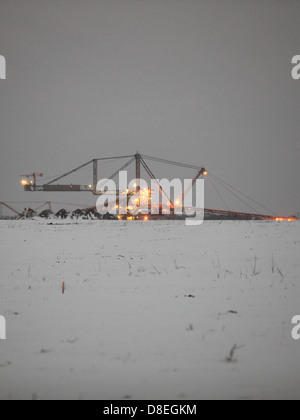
(149, 310)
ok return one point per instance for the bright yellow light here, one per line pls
(205, 173)
(177, 203)
(24, 182)
(90, 186)
(146, 218)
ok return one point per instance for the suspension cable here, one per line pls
(116, 157)
(70, 172)
(243, 194)
(218, 193)
(236, 196)
(169, 162)
(119, 170)
(150, 173)
(106, 161)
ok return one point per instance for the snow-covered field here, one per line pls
(151, 310)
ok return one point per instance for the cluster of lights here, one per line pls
(145, 218)
(285, 219)
(25, 182)
(141, 202)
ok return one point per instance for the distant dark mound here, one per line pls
(109, 216)
(46, 214)
(77, 213)
(92, 214)
(62, 214)
(27, 214)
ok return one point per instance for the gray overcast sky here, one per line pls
(199, 81)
